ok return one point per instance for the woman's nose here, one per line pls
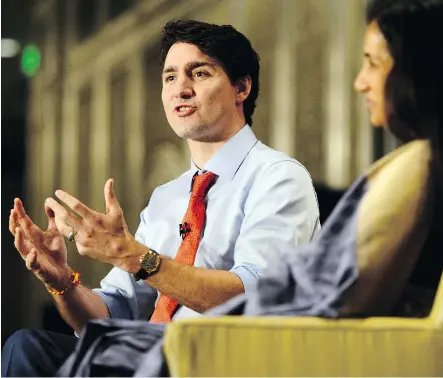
(360, 84)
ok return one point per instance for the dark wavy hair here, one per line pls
(231, 49)
(413, 30)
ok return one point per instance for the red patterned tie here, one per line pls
(191, 230)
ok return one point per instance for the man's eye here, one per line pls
(201, 74)
(169, 78)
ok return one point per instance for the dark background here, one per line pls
(15, 24)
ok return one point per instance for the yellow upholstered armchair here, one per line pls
(306, 346)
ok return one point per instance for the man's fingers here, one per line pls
(65, 221)
(13, 221)
(23, 218)
(32, 261)
(51, 224)
(24, 221)
(19, 242)
(51, 218)
(72, 202)
(48, 211)
(112, 205)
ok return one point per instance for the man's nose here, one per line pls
(184, 89)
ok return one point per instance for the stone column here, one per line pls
(135, 142)
(310, 25)
(100, 138)
(48, 142)
(69, 138)
(283, 93)
(339, 93)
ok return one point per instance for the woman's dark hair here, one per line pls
(231, 49)
(413, 30)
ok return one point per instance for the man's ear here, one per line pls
(243, 88)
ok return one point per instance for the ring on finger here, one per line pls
(71, 236)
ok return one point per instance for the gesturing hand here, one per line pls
(101, 236)
(44, 251)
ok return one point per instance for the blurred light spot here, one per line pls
(31, 59)
(10, 48)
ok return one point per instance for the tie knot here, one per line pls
(201, 184)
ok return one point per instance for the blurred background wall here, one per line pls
(90, 108)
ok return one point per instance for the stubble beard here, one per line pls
(194, 132)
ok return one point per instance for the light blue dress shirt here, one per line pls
(262, 205)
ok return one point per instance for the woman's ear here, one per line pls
(243, 88)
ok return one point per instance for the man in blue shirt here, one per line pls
(259, 205)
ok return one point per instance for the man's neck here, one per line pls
(203, 151)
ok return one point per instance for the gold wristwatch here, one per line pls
(150, 263)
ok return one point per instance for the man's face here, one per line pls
(372, 77)
(198, 97)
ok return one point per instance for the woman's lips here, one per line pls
(370, 103)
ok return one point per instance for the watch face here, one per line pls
(150, 261)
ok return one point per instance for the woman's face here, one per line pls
(372, 76)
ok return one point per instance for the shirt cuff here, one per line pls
(249, 276)
(116, 304)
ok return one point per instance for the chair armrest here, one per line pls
(294, 346)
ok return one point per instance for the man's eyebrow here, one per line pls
(169, 69)
(199, 63)
(190, 66)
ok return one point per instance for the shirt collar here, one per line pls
(229, 157)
